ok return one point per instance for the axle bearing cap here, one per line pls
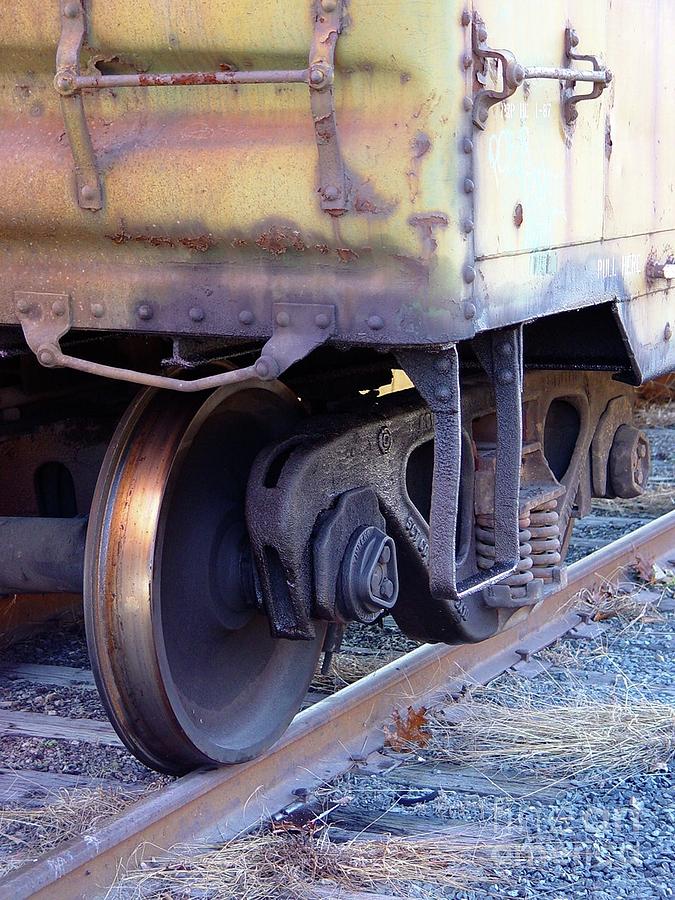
(368, 576)
(629, 462)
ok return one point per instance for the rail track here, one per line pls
(328, 738)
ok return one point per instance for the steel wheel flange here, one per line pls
(187, 669)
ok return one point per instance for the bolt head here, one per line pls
(64, 84)
(97, 310)
(331, 192)
(23, 306)
(316, 75)
(667, 332)
(329, 6)
(322, 320)
(246, 317)
(197, 314)
(518, 74)
(385, 556)
(470, 310)
(506, 377)
(72, 10)
(58, 308)
(144, 312)
(469, 274)
(469, 186)
(467, 103)
(467, 227)
(505, 349)
(467, 145)
(283, 319)
(46, 356)
(376, 323)
(467, 60)
(574, 38)
(267, 368)
(482, 33)
(483, 114)
(88, 193)
(466, 17)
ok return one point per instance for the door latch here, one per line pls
(513, 74)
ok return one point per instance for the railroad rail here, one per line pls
(326, 739)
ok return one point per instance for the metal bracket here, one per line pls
(514, 74)
(73, 29)
(318, 76)
(298, 328)
(436, 377)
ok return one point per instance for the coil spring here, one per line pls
(539, 539)
(546, 543)
(485, 552)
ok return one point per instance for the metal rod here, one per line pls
(172, 79)
(603, 76)
(41, 556)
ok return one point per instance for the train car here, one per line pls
(224, 225)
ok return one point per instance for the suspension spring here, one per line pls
(545, 540)
(485, 552)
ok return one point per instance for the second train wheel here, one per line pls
(186, 666)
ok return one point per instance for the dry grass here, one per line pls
(301, 866)
(587, 738)
(32, 831)
(347, 668)
(632, 607)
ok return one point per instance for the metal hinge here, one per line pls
(514, 74)
(318, 76)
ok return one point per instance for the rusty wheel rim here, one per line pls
(181, 689)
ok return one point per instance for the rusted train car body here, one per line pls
(259, 211)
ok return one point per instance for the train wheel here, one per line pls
(185, 663)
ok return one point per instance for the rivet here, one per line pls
(23, 306)
(667, 332)
(46, 356)
(322, 320)
(469, 311)
(316, 75)
(330, 192)
(88, 193)
(442, 392)
(518, 215)
(467, 60)
(196, 314)
(71, 10)
(467, 145)
(246, 317)
(482, 33)
(467, 226)
(329, 5)
(97, 310)
(466, 17)
(283, 319)
(144, 312)
(443, 364)
(483, 115)
(58, 307)
(267, 368)
(468, 186)
(376, 323)
(469, 274)
(467, 103)
(505, 377)
(505, 349)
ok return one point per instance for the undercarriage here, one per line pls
(222, 541)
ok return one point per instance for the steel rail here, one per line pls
(323, 741)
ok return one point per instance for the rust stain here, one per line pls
(279, 239)
(420, 146)
(346, 255)
(426, 223)
(180, 78)
(198, 243)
